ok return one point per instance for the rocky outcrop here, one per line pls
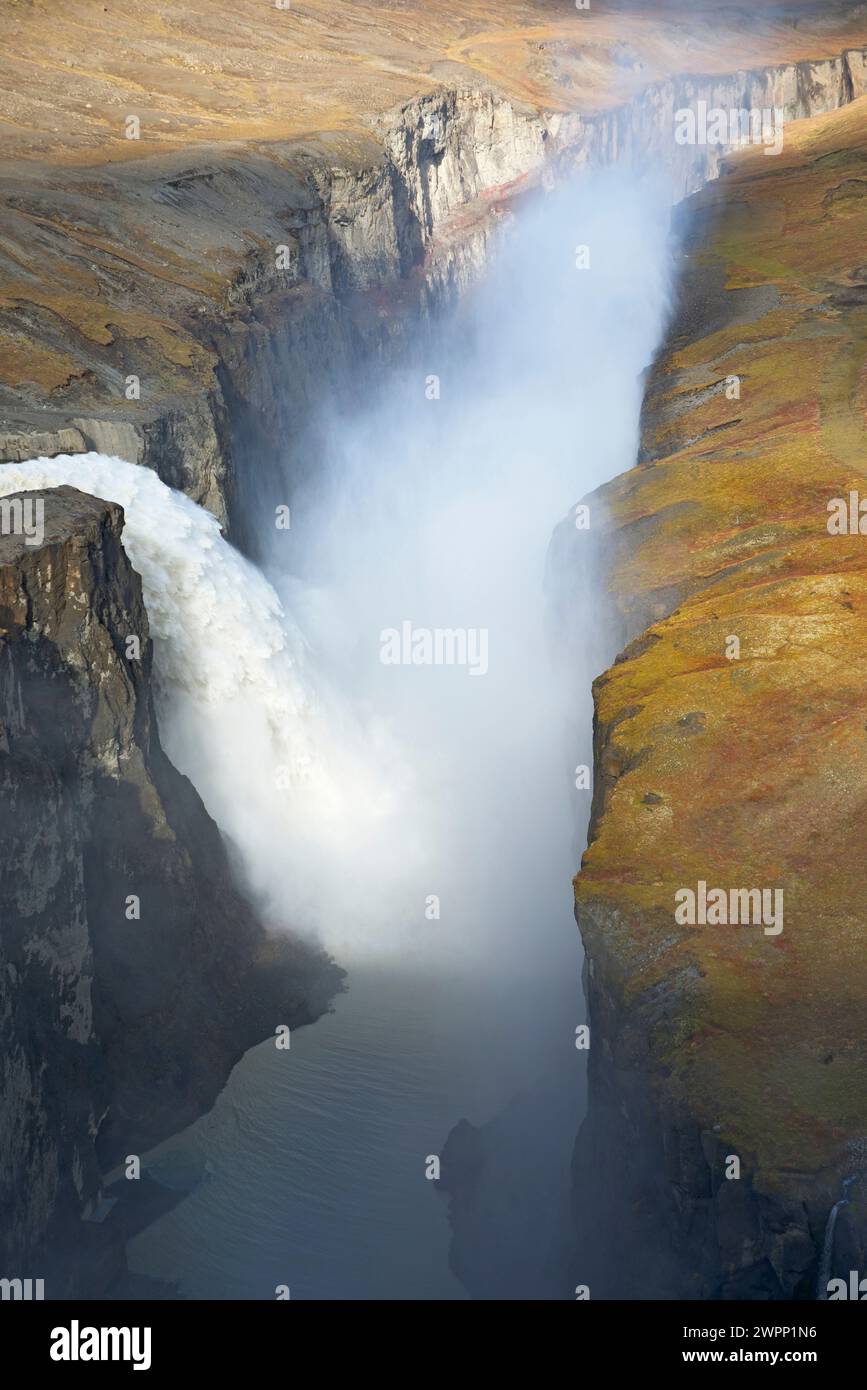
(190, 310)
(133, 974)
(728, 1059)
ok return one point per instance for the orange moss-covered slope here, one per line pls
(748, 772)
(217, 71)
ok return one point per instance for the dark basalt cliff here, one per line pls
(115, 1031)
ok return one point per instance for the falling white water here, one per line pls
(356, 792)
(268, 753)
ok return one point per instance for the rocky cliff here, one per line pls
(300, 186)
(728, 1062)
(208, 225)
(133, 975)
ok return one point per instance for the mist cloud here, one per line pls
(400, 809)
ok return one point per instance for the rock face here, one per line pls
(729, 751)
(182, 309)
(115, 1030)
(186, 308)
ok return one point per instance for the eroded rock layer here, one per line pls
(731, 750)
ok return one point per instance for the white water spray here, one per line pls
(360, 794)
(282, 768)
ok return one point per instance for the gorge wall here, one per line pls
(189, 307)
(734, 765)
(116, 1029)
(185, 308)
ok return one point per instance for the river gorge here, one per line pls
(406, 480)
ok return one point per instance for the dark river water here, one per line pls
(316, 1155)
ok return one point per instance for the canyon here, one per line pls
(286, 222)
(143, 312)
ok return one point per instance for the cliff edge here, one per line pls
(728, 1062)
(210, 218)
(133, 975)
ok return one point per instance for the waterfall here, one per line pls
(409, 808)
(280, 767)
